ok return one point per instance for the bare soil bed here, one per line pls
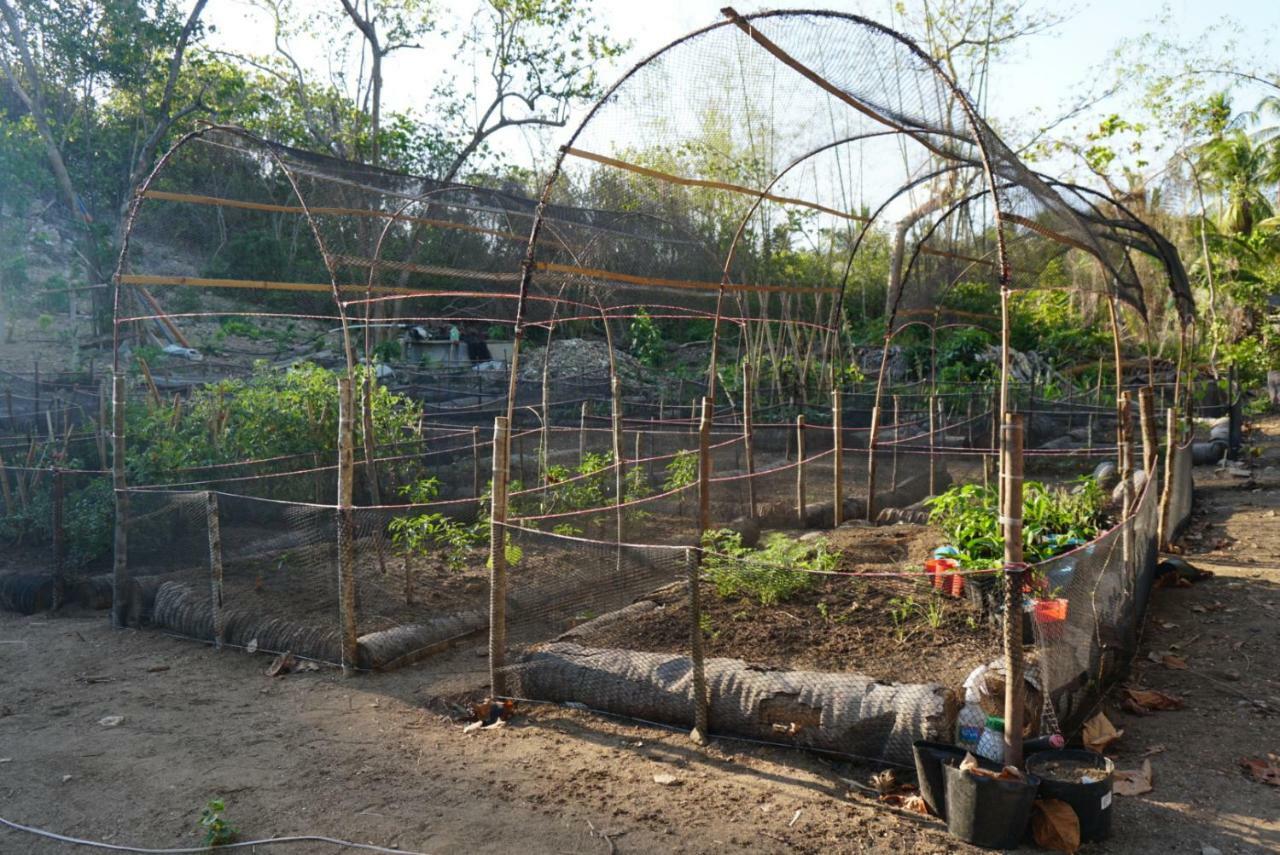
(842, 623)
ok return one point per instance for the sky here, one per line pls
(1037, 82)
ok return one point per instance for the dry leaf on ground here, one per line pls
(1133, 782)
(1054, 825)
(1175, 662)
(1263, 771)
(1144, 701)
(1100, 734)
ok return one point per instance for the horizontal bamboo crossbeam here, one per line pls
(703, 182)
(655, 282)
(319, 210)
(1046, 232)
(433, 269)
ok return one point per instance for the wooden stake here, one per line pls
(619, 467)
(1166, 495)
(498, 559)
(837, 431)
(215, 568)
(120, 559)
(748, 430)
(475, 461)
(59, 558)
(872, 439)
(1011, 520)
(701, 712)
(897, 427)
(704, 469)
(582, 435)
(1150, 447)
(346, 527)
(800, 486)
(933, 444)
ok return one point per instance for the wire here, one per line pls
(204, 850)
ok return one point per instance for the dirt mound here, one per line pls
(579, 358)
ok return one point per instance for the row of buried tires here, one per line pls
(28, 593)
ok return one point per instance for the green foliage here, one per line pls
(1052, 518)
(646, 340)
(429, 532)
(88, 519)
(774, 573)
(217, 831)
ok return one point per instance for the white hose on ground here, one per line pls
(203, 850)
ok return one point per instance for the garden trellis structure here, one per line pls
(728, 187)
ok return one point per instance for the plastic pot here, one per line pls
(1050, 617)
(942, 575)
(1091, 802)
(931, 757)
(986, 812)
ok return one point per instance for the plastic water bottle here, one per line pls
(991, 745)
(970, 721)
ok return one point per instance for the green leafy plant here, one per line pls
(778, 571)
(434, 531)
(217, 831)
(646, 340)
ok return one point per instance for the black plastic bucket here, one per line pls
(987, 812)
(930, 758)
(1091, 802)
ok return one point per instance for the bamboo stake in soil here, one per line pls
(59, 568)
(619, 467)
(346, 531)
(1011, 522)
(871, 460)
(498, 559)
(1147, 412)
(800, 487)
(475, 461)
(120, 559)
(704, 469)
(215, 568)
(897, 428)
(701, 725)
(933, 439)
(748, 428)
(837, 481)
(1166, 495)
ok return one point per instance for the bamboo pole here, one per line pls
(475, 461)
(748, 439)
(582, 435)
(701, 724)
(498, 559)
(800, 486)
(619, 467)
(837, 480)
(897, 431)
(1011, 520)
(1150, 445)
(59, 547)
(704, 469)
(120, 558)
(346, 529)
(933, 443)
(1166, 495)
(872, 437)
(215, 568)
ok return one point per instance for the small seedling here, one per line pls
(217, 831)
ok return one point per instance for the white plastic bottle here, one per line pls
(991, 745)
(970, 721)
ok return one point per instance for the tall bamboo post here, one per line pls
(120, 559)
(1011, 521)
(59, 557)
(704, 469)
(701, 713)
(933, 444)
(346, 527)
(215, 568)
(800, 464)
(1166, 495)
(1150, 447)
(897, 436)
(837, 439)
(748, 438)
(619, 467)
(498, 559)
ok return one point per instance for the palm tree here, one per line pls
(1241, 171)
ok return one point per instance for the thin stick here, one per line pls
(748, 429)
(475, 461)
(837, 431)
(1150, 447)
(59, 559)
(1166, 495)
(704, 469)
(933, 448)
(582, 435)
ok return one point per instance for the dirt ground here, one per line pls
(377, 759)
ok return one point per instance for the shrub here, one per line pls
(778, 571)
